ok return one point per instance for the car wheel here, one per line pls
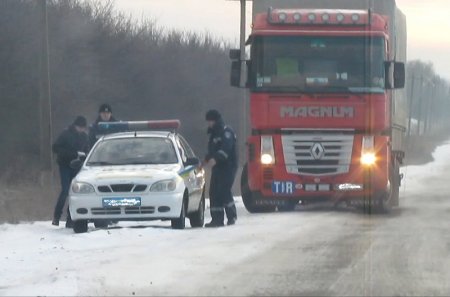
(101, 224)
(180, 223)
(197, 219)
(80, 226)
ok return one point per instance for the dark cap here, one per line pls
(80, 121)
(105, 108)
(213, 115)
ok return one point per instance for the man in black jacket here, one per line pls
(222, 158)
(67, 147)
(104, 115)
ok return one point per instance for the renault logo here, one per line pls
(317, 151)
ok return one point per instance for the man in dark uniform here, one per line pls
(70, 143)
(104, 115)
(222, 158)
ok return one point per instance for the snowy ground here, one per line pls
(317, 251)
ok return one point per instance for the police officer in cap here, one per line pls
(68, 146)
(222, 158)
(104, 115)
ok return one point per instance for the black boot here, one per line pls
(55, 222)
(214, 224)
(231, 221)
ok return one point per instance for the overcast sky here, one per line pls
(428, 23)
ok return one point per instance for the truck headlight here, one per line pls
(169, 185)
(267, 150)
(368, 156)
(82, 188)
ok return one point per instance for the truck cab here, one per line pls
(327, 109)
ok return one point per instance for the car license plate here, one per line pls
(283, 187)
(116, 202)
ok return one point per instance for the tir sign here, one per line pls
(317, 151)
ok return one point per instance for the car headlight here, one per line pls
(82, 188)
(168, 185)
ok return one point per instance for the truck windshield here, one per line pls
(318, 64)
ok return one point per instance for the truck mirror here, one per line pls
(235, 78)
(399, 75)
(235, 54)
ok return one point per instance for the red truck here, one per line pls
(327, 103)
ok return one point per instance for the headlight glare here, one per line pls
(266, 159)
(368, 159)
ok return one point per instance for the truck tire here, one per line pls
(248, 196)
(80, 226)
(197, 219)
(396, 184)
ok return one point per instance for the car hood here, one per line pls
(128, 174)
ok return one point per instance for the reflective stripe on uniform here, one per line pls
(217, 208)
(221, 152)
(231, 204)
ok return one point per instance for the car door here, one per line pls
(197, 175)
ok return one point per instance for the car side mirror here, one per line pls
(76, 164)
(192, 162)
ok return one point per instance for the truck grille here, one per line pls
(318, 153)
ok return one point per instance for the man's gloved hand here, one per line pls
(210, 163)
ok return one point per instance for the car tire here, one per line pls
(80, 226)
(197, 219)
(180, 223)
(101, 224)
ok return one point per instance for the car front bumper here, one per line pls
(153, 206)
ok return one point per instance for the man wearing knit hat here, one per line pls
(222, 158)
(68, 146)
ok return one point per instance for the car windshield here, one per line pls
(124, 151)
(318, 64)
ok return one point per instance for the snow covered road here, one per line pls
(314, 251)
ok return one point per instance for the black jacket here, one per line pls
(93, 130)
(222, 147)
(68, 144)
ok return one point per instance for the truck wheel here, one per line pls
(180, 223)
(80, 226)
(389, 198)
(248, 197)
(288, 206)
(197, 219)
(396, 184)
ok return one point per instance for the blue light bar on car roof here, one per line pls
(115, 127)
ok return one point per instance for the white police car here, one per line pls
(144, 174)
